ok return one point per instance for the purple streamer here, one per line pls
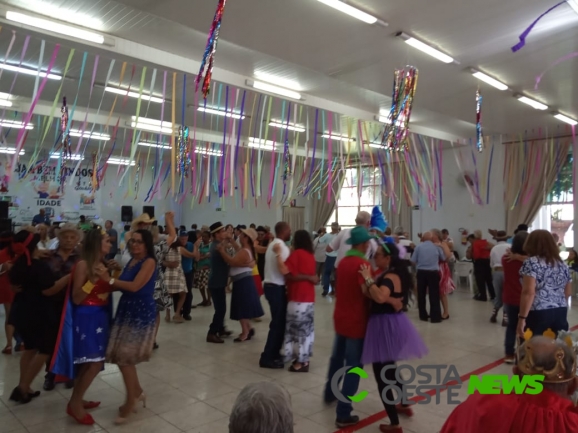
(222, 168)
(253, 150)
(314, 149)
(237, 172)
(526, 32)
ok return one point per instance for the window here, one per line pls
(361, 191)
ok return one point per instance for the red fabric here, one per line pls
(525, 413)
(512, 290)
(258, 284)
(351, 305)
(6, 293)
(480, 249)
(301, 262)
(92, 299)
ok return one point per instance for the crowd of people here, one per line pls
(63, 322)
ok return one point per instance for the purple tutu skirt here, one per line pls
(391, 337)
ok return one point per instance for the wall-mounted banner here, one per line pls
(42, 188)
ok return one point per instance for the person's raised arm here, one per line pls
(380, 294)
(186, 253)
(526, 300)
(171, 230)
(78, 280)
(144, 275)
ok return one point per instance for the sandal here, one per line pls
(7, 350)
(303, 369)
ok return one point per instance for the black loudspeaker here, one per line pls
(150, 210)
(4, 209)
(5, 225)
(126, 214)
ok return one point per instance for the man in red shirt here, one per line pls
(481, 249)
(350, 320)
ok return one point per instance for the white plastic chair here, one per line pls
(465, 270)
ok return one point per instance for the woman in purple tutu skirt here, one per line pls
(390, 336)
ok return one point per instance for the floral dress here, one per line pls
(161, 296)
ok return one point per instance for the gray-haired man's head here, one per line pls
(262, 407)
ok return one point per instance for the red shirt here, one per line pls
(301, 262)
(351, 305)
(480, 249)
(6, 293)
(545, 413)
(512, 290)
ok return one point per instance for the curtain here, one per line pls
(530, 171)
(400, 214)
(321, 210)
(295, 217)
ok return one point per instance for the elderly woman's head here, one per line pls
(262, 407)
(540, 243)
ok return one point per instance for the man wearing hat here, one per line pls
(350, 321)
(497, 252)
(218, 280)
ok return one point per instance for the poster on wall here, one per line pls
(42, 189)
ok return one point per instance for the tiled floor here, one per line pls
(191, 385)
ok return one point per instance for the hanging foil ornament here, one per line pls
(136, 178)
(286, 162)
(479, 132)
(397, 122)
(210, 51)
(66, 147)
(183, 157)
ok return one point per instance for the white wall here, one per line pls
(458, 210)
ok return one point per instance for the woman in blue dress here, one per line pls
(91, 314)
(133, 332)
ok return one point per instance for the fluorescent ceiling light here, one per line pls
(27, 71)
(350, 10)
(11, 150)
(87, 134)
(152, 125)
(143, 96)
(566, 119)
(158, 145)
(15, 125)
(426, 48)
(290, 126)
(53, 26)
(283, 82)
(5, 103)
(487, 79)
(385, 119)
(338, 137)
(274, 89)
(221, 112)
(209, 152)
(119, 161)
(534, 104)
(57, 155)
(573, 4)
(261, 144)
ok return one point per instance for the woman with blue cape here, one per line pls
(84, 330)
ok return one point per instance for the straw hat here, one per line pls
(143, 219)
(252, 233)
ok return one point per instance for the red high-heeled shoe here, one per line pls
(87, 419)
(91, 404)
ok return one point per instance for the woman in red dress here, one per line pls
(7, 257)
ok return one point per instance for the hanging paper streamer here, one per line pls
(526, 32)
(556, 63)
(479, 135)
(183, 155)
(210, 51)
(396, 128)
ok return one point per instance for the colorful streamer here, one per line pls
(556, 63)
(526, 32)
(183, 157)
(210, 51)
(396, 128)
(479, 133)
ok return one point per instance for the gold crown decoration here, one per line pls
(557, 374)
